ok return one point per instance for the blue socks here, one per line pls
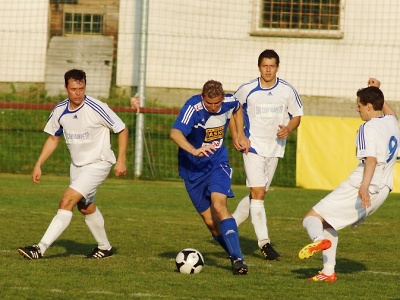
(230, 235)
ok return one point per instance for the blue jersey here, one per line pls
(201, 127)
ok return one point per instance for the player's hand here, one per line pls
(135, 102)
(374, 82)
(120, 169)
(242, 144)
(283, 132)
(363, 193)
(204, 150)
(36, 174)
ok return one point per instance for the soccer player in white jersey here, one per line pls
(367, 186)
(199, 131)
(85, 123)
(272, 110)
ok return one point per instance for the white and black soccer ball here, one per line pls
(189, 261)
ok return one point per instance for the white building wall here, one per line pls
(23, 39)
(191, 41)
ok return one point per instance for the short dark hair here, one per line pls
(212, 89)
(78, 75)
(373, 95)
(269, 53)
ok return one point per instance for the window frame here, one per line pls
(258, 30)
(83, 23)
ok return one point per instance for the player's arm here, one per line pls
(120, 166)
(233, 131)
(387, 110)
(369, 169)
(177, 136)
(285, 130)
(241, 142)
(50, 145)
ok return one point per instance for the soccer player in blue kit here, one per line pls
(199, 131)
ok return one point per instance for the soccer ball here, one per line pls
(189, 261)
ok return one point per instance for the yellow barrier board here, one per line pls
(326, 152)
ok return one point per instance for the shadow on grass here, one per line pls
(343, 266)
(73, 248)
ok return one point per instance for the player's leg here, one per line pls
(242, 210)
(258, 215)
(329, 242)
(260, 172)
(217, 230)
(57, 226)
(313, 223)
(329, 255)
(198, 194)
(95, 222)
(61, 221)
(90, 177)
(219, 187)
(229, 233)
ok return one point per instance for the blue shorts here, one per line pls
(217, 180)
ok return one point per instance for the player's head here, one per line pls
(369, 101)
(270, 54)
(268, 65)
(75, 86)
(212, 94)
(372, 95)
(75, 75)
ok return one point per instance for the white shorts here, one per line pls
(86, 179)
(259, 170)
(342, 207)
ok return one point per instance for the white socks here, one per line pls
(95, 222)
(314, 228)
(59, 223)
(242, 211)
(255, 209)
(259, 220)
(329, 255)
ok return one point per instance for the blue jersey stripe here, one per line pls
(298, 100)
(361, 138)
(100, 110)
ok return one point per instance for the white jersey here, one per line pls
(265, 109)
(379, 138)
(86, 130)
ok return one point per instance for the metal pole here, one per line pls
(141, 88)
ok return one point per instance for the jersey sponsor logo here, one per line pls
(217, 144)
(76, 138)
(214, 133)
(198, 106)
(268, 110)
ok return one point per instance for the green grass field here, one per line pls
(149, 222)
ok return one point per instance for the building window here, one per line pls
(298, 18)
(83, 23)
